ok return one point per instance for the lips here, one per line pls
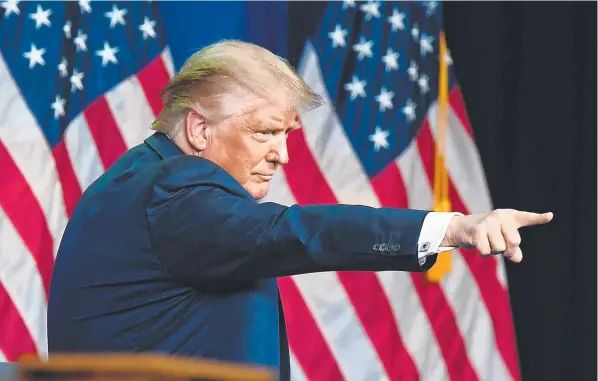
(265, 177)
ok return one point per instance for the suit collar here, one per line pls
(163, 146)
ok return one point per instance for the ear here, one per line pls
(195, 130)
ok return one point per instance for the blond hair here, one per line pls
(214, 74)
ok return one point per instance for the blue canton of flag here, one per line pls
(63, 55)
(80, 84)
(381, 74)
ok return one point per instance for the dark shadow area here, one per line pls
(528, 76)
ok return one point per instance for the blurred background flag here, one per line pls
(80, 84)
(380, 145)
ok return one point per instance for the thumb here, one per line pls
(529, 219)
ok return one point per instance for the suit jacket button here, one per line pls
(376, 247)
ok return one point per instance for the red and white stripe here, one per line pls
(41, 186)
(390, 325)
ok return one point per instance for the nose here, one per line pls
(282, 153)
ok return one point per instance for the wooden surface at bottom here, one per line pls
(136, 367)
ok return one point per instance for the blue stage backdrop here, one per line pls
(191, 25)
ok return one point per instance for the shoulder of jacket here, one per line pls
(188, 171)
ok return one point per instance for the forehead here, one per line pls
(276, 116)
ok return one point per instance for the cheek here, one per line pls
(238, 156)
(255, 153)
(230, 157)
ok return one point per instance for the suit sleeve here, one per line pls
(207, 233)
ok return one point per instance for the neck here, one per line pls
(180, 141)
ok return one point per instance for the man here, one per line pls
(169, 251)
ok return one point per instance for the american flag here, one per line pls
(80, 84)
(377, 64)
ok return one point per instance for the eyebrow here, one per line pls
(290, 127)
(278, 124)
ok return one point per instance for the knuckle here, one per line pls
(514, 240)
(485, 251)
(498, 244)
(480, 235)
(481, 228)
(512, 237)
(493, 220)
(502, 214)
(482, 245)
(498, 212)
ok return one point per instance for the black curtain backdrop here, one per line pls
(528, 76)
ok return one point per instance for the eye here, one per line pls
(268, 132)
(262, 135)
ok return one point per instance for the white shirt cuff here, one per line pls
(432, 233)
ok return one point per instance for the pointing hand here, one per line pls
(496, 232)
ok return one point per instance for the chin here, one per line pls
(259, 191)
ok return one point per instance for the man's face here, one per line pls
(252, 147)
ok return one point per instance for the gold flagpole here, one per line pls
(442, 202)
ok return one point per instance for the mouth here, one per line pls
(264, 177)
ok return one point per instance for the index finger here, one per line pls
(529, 219)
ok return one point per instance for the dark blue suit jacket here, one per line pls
(168, 253)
